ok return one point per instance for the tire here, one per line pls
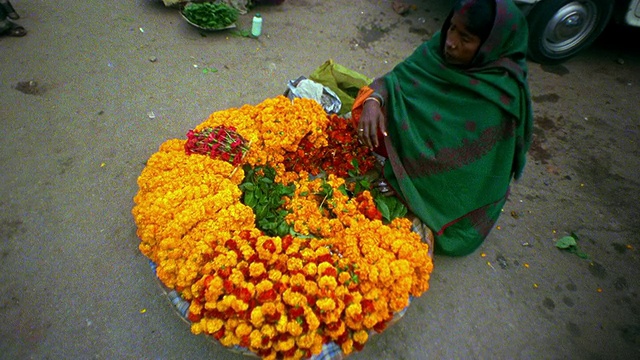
(559, 29)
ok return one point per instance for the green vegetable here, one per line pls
(211, 15)
(265, 197)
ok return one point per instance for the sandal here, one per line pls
(15, 31)
(9, 10)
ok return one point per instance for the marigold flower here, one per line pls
(294, 328)
(347, 346)
(293, 298)
(284, 345)
(212, 325)
(326, 304)
(256, 269)
(294, 264)
(268, 331)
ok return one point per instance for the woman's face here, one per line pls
(461, 45)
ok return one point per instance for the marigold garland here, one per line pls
(343, 276)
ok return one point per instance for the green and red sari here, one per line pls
(457, 136)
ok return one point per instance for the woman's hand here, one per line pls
(371, 120)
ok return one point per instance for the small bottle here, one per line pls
(256, 26)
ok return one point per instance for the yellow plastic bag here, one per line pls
(343, 81)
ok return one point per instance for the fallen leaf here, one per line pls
(566, 242)
(400, 8)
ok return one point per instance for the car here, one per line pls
(560, 29)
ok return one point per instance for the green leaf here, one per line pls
(566, 242)
(283, 229)
(249, 199)
(384, 208)
(261, 211)
(247, 186)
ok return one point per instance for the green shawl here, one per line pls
(457, 136)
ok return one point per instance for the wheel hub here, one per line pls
(570, 25)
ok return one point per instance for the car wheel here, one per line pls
(559, 29)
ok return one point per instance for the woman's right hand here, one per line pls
(371, 121)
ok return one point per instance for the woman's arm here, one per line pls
(372, 120)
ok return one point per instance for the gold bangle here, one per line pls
(374, 99)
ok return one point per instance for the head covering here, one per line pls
(457, 136)
(478, 14)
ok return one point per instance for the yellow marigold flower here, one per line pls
(263, 286)
(354, 310)
(327, 282)
(326, 304)
(294, 328)
(226, 302)
(236, 277)
(274, 275)
(255, 339)
(243, 329)
(269, 308)
(347, 347)
(257, 317)
(311, 318)
(294, 264)
(310, 268)
(305, 341)
(336, 333)
(281, 325)
(398, 303)
(239, 305)
(269, 331)
(195, 307)
(317, 344)
(196, 328)
(285, 345)
(323, 266)
(256, 269)
(361, 336)
(341, 291)
(215, 289)
(311, 288)
(229, 339)
(293, 298)
(212, 325)
(247, 251)
(343, 277)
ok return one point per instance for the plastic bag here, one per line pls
(343, 81)
(309, 89)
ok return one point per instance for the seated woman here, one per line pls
(7, 27)
(454, 122)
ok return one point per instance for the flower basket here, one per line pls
(267, 237)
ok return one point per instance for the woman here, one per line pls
(454, 121)
(8, 27)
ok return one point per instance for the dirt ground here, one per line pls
(95, 87)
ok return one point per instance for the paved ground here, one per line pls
(74, 285)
